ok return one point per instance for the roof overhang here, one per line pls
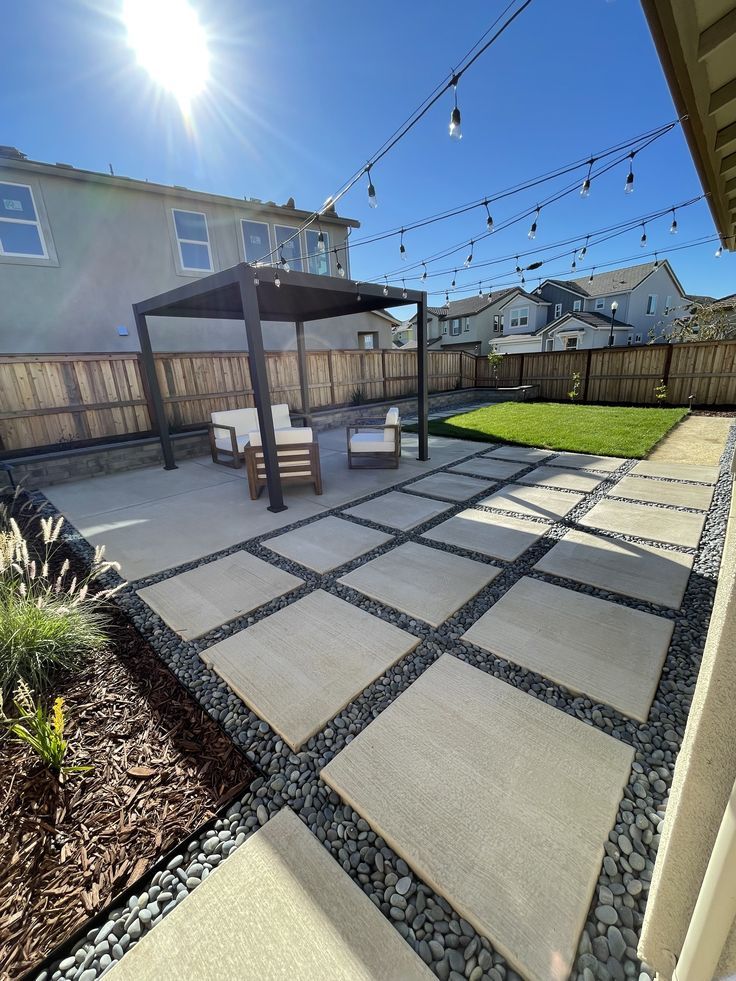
(696, 43)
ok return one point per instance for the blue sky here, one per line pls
(301, 94)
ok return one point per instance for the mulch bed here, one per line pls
(162, 768)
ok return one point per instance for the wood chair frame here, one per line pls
(380, 460)
(291, 457)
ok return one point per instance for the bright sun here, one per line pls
(170, 44)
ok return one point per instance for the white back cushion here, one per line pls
(280, 415)
(392, 419)
(283, 436)
(242, 420)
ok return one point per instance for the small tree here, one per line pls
(660, 392)
(574, 393)
(495, 360)
(702, 322)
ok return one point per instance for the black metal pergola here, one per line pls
(251, 294)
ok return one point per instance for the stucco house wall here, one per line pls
(111, 242)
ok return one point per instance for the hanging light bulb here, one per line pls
(372, 199)
(673, 226)
(447, 299)
(592, 273)
(256, 279)
(454, 277)
(629, 185)
(489, 219)
(469, 258)
(518, 267)
(455, 129)
(656, 261)
(534, 265)
(320, 240)
(424, 273)
(385, 286)
(277, 280)
(719, 252)
(574, 265)
(480, 290)
(402, 247)
(283, 263)
(585, 188)
(532, 233)
(522, 279)
(403, 291)
(643, 239)
(357, 292)
(584, 251)
(338, 267)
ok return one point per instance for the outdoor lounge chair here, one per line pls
(298, 457)
(229, 431)
(377, 444)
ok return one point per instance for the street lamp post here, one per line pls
(614, 308)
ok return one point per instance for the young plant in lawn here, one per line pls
(40, 729)
(574, 393)
(660, 392)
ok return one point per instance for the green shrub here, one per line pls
(40, 729)
(49, 621)
(358, 396)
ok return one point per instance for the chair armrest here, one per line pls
(230, 429)
(219, 425)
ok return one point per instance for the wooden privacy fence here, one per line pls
(53, 400)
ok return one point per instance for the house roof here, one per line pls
(595, 320)
(615, 280)
(566, 285)
(518, 291)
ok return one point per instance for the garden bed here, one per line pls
(161, 768)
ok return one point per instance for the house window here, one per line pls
(20, 230)
(289, 247)
(637, 339)
(466, 328)
(668, 308)
(318, 261)
(577, 306)
(600, 304)
(571, 343)
(497, 323)
(558, 310)
(444, 327)
(519, 317)
(368, 340)
(454, 327)
(193, 241)
(651, 304)
(550, 343)
(256, 241)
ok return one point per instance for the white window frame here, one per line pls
(456, 326)
(308, 252)
(652, 297)
(550, 344)
(265, 224)
(444, 326)
(497, 323)
(192, 241)
(571, 343)
(558, 310)
(517, 315)
(25, 221)
(600, 304)
(577, 306)
(277, 247)
(466, 325)
(637, 339)
(668, 308)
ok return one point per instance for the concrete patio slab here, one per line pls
(575, 480)
(497, 535)
(607, 652)
(279, 908)
(537, 502)
(397, 510)
(421, 581)
(449, 486)
(643, 521)
(326, 543)
(197, 601)
(493, 469)
(697, 496)
(644, 572)
(302, 665)
(587, 461)
(497, 800)
(523, 454)
(676, 471)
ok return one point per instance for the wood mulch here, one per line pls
(162, 768)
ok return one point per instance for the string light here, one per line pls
(283, 263)
(338, 266)
(629, 185)
(673, 226)
(574, 265)
(656, 261)
(592, 273)
(584, 251)
(532, 233)
(454, 277)
(402, 247)
(455, 130)
(469, 258)
(385, 286)
(719, 252)
(357, 292)
(424, 274)
(518, 267)
(585, 189)
(277, 280)
(643, 239)
(372, 199)
(320, 239)
(447, 299)
(403, 290)
(489, 219)
(480, 289)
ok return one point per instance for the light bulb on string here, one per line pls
(643, 239)
(469, 258)
(574, 265)
(523, 280)
(480, 289)
(585, 188)
(277, 280)
(719, 252)
(518, 267)
(424, 273)
(372, 199)
(584, 251)
(454, 277)
(357, 292)
(338, 267)
(592, 273)
(283, 263)
(320, 239)
(629, 185)
(403, 289)
(455, 129)
(673, 226)
(385, 286)
(489, 219)
(532, 233)
(656, 261)
(402, 247)
(447, 299)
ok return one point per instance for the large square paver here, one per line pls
(326, 543)
(522, 454)
(602, 650)
(677, 471)
(449, 486)
(197, 601)
(537, 502)
(497, 535)
(493, 469)
(575, 480)
(421, 581)
(299, 667)
(279, 908)
(642, 521)
(645, 572)
(697, 496)
(397, 510)
(587, 461)
(497, 800)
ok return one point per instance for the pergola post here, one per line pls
(153, 392)
(422, 389)
(259, 381)
(301, 356)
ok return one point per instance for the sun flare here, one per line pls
(171, 44)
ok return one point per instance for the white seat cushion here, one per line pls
(370, 443)
(285, 436)
(224, 442)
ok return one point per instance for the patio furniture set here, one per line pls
(235, 438)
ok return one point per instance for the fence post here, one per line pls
(332, 377)
(521, 370)
(588, 359)
(383, 375)
(667, 365)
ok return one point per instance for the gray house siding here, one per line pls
(554, 295)
(112, 243)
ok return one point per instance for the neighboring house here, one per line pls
(471, 324)
(78, 248)
(565, 314)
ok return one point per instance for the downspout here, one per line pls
(715, 908)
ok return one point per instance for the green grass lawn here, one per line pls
(607, 430)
